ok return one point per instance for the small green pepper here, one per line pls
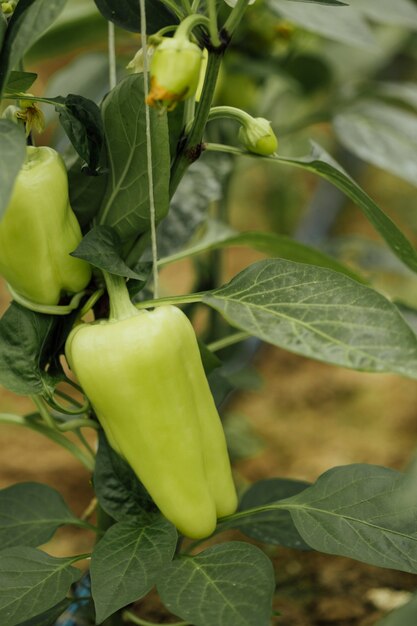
(258, 137)
(175, 72)
(39, 231)
(143, 374)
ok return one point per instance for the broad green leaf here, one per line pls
(381, 134)
(327, 2)
(86, 192)
(12, 156)
(126, 14)
(25, 339)
(125, 205)
(48, 618)
(398, 13)
(275, 527)
(325, 166)
(20, 81)
(188, 210)
(127, 561)
(232, 583)
(30, 20)
(118, 490)
(404, 616)
(102, 248)
(353, 511)
(344, 24)
(79, 25)
(32, 582)
(220, 235)
(81, 120)
(404, 92)
(30, 513)
(320, 314)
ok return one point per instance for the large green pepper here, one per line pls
(144, 377)
(39, 230)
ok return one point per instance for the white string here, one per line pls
(112, 57)
(149, 151)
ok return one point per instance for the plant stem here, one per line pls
(44, 413)
(192, 148)
(230, 340)
(192, 297)
(192, 21)
(235, 16)
(47, 309)
(121, 307)
(231, 113)
(171, 4)
(214, 27)
(54, 435)
(78, 423)
(128, 616)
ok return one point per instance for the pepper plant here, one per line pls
(91, 340)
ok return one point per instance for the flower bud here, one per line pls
(257, 136)
(175, 72)
(7, 7)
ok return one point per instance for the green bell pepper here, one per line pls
(143, 374)
(39, 231)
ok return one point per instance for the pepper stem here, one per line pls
(121, 307)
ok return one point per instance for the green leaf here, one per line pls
(327, 2)
(86, 192)
(403, 92)
(188, 210)
(12, 156)
(404, 616)
(218, 235)
(343, 24)
(48, 618)
(126, 14)
(81, 120)
(232, 583)
(353, 511)
(25, 340)
(127, 561)
(325, 166)
(102, 248)
(20, 81)
(30, 513)
(118, 490)
(29, 21)
(398, 13)
(125, 205)
(320, 314)
(274, 527)
(383, 135)
(32, 582)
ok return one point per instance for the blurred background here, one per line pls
(348, 83)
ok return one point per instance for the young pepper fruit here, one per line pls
(144, 377)
(39, 231)
(175, 72)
